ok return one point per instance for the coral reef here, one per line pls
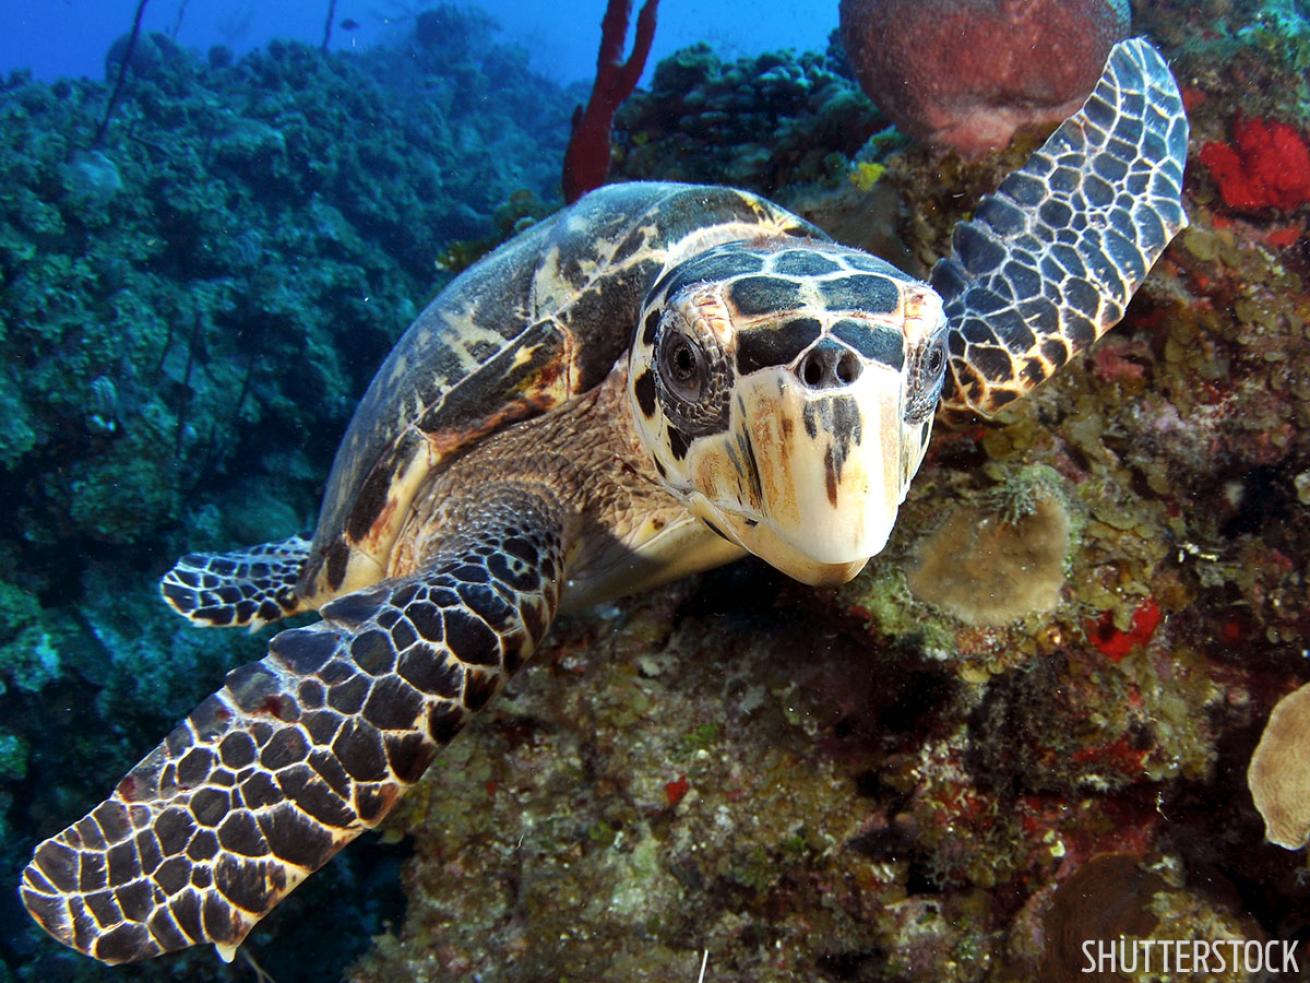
(965, 74)
(187, 315)
(866, 786)
(759, 123)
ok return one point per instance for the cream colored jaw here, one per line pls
(808, 481)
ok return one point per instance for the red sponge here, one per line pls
(1266, 165)
(966, 73)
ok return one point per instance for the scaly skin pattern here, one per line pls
(1050, 261)
(304, 750)
(538, 322)
(823, 368)
(250, 587)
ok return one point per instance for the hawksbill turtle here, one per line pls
(656, 380)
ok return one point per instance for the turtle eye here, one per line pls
(682, 364)
(692, 377)
(927, 374)
(935, 360)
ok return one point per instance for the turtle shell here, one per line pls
(538, 322)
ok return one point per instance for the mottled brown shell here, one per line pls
(538, 322)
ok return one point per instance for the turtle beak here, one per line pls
(810, 476)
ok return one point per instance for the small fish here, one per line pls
(350, 25)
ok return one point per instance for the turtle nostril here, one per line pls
(828, 365)
(848, 368)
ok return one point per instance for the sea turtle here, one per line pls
(654, 381)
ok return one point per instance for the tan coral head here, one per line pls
(1279, 773)
(787, 397)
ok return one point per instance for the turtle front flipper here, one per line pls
(252, 586)
(302, 751)
(1049, 262)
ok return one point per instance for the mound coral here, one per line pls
(1106, 898)
(966, 74)
(1267, 165)
(758, 123)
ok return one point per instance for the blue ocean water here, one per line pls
(208, 247)
(70, 37)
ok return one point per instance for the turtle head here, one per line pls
(786, 392)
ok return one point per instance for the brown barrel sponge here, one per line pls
(965, 74)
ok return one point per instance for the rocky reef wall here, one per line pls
(187, 316)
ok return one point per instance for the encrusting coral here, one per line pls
(988, 567)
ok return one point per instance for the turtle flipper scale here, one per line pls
(302, 751)
(250, 587)
(1049, 262)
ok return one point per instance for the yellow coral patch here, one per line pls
(865, 175)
